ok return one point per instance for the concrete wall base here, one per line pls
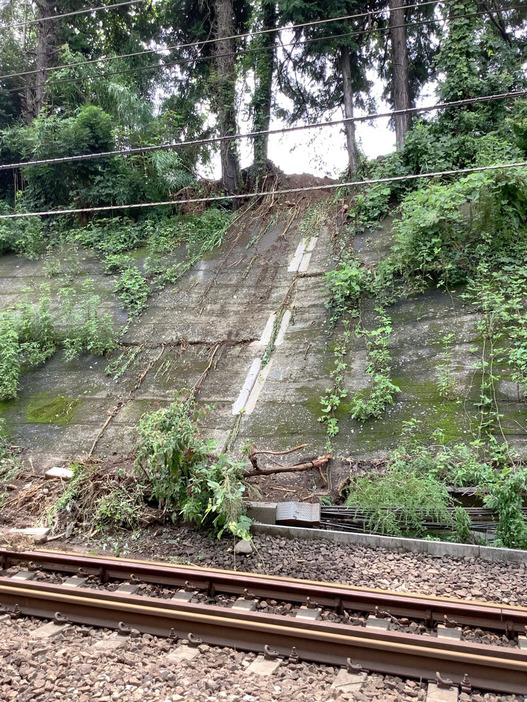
(392, 543)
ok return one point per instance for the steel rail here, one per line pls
(428, 608)
(388, 652)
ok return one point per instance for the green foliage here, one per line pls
(372, 403)
(331, 401)
(132, 289)
(9, 464)
(10, 364)
(447, 231)
(345, 285)
(30, 334)
(83, 328)
(506, 497)
(397, 502)
(184, 477)
(462, 526)
(25, 236)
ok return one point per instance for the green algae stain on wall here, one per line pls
(46, 408)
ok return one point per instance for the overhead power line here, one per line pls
(234, 36)
(271, 132)
(70, 14)
(204, 42)
(239, 52)
(264, 193)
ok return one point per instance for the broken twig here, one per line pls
(269, 470)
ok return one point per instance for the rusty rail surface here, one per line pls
(408, 655)
(429, 609)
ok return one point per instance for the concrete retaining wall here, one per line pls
(390, 543)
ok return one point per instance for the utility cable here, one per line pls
(271, 132)
(265, 193)
(70, 14)
(248, 35)
(196, 59)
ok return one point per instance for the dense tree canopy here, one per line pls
(155, 73)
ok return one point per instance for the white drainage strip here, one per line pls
(257, 376)
(300, 261)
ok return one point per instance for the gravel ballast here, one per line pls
(66, 667)
(465, 578)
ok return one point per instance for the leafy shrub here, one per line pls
(397, 503)
(446, 231)
(10, 364)
(184, 477)
(30, 334)
(24, 236)
(506, 497)
(83, 328)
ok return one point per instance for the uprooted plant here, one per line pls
(182, 473)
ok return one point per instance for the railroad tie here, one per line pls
(244, 605)
(263, 666)
(23, 575)
(448, 632)
(441, 694)
(377, 623)
(311, 613)
(75, 581)
(183, 596)
(347, 682)
(127, 588)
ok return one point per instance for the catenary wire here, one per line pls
(272, 132)
(265, 193)
(71, 14)
(196, 59)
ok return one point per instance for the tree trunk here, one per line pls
(45, 40)
(400, 70)
(264, 66)
(225, 92)
(349, 127)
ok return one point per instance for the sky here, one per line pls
(321, 152)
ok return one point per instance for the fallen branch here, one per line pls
(277, 453)
(255, 452)
(269, 470)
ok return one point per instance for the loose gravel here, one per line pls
(67, 668)
(63, 668)
(465, 578)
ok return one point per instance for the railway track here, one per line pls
(88, 599)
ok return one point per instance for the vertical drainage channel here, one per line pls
(256, 377)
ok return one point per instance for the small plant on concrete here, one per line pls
(372, 403)
(132, 289)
